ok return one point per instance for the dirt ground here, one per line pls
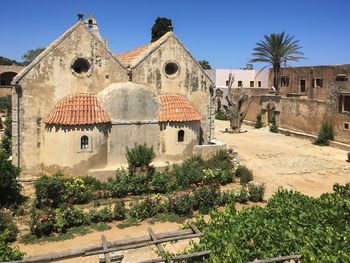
(276, 160)
(293, 163)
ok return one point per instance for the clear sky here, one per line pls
(222, 32)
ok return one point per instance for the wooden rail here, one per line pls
(125, 244)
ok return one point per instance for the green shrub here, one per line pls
(216, 176)
(245, 174)
(221, 160)
(10, 187)
(163, 182)
(291, 223)
(92, 183)
(243, 195)
(7, 224)
(7, 252)
(206, 198)
(189, 172)
(119, 211)
(325, 134)
(258, 124)
(56, 190)
(228, 197)
(68, 217)
(50, 190)
(273, 125)
(6, 141)
(139, 183)
(146, 208)
(256, 192)
(42, 223)
(220, 115)
(140, 155)
(180, 204)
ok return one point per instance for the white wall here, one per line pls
(220, 76)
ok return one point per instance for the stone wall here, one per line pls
(190, 80)
(50, 80)
(208, 151)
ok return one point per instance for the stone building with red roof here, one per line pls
(78, 105)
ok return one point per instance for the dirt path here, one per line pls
(115, 233)
(279, 160)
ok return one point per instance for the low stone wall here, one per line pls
(209, 150)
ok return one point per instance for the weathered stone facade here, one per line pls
(79, 62)
(308, 97)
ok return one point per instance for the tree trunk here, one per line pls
(276, 77)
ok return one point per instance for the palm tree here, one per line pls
(276, 49)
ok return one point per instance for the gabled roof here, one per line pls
(133, 57)
(177, 108)
(56, 43)
(78, 109)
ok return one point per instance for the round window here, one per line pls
(171, 69)
(81, 67)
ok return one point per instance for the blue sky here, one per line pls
(222, 32)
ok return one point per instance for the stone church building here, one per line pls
(78, 105)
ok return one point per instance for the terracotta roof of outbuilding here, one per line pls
(78, 109)
(177, 108)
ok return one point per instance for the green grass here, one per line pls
(128, 223)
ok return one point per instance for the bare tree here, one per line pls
(234, 110)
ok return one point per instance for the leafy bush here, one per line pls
(8, 253)
(8, 225)
(217, 176)
(119, 211)
(291, 223)
(206, 198)
(139, 183)
(243, 195)
(140, 155)
(256, 192)
(221, 160)
(189, 172)
(42, 223)
(56, 190)
(163, 182)
(146, 208)
(68, 217)
(6, 103)
(325, 134)
(10, 187)
(220, 115)
(258, 124)
(228, 197)
(273, 125)
(245, 174)
(6, 141)
(180, 204)
(50, 190)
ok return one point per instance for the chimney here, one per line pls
(80, 16)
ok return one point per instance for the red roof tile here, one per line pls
(127, 58)
(78, 109)
(177, 108)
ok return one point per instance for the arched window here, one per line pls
(180, 136)
(84, 142)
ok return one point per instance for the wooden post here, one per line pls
(105, 247)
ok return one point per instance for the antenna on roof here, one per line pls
(80, 16)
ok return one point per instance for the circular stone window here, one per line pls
(81, 67)
(171, 69)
